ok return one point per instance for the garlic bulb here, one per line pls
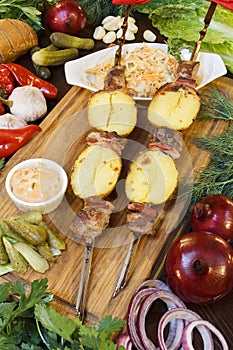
(10, 121)
(28, 103)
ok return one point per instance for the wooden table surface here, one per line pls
(221, 312)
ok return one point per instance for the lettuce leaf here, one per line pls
(181, 21)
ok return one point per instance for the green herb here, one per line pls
(181, 21)
(214, 105)
(27, 11)
(28, 322)
(2, 163)
(217, 176)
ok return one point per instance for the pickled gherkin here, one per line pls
(4, 259)
(18, 262)
(33, 234)
(53, 240)
(45, 251)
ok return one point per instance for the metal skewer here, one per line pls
(84, 279)
(127, 266)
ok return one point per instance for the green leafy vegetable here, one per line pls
(28, 322)
(97, 10)
(27, 11)
(181, 21)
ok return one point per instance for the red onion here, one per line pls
(187, 335)
(66, 16)
(157, 284)
(187, 316)
(199, 267)
(214, 214)
(175, 331)
(132, 314)
(124, 340)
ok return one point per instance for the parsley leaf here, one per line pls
(55, 322)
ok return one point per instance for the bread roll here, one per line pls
(16, 39)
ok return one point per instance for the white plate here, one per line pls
(211, 66)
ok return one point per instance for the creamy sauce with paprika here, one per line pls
(36, 184)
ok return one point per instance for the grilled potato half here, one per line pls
(95, 172)
(112, 111)
(175, 106)
(152, 178)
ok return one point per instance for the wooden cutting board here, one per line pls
(62, 139)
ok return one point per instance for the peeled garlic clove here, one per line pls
(148, 35)
(109, 38)
(112, 25)
(119, 33)
(129, 36)
(99, 33)
(107, 19)
(131, 19)
(132, 27)
(29, 103)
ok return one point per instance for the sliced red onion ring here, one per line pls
(187, 335)
(153, 284)
(188, 316)
(124, 340)
(176, 328)
(132, 314)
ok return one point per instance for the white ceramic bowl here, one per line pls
(49, 204)
(211, 66)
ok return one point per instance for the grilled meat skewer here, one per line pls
(142, 216)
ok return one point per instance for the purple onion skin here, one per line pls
(214, 214)
(199, 267)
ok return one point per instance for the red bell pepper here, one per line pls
(12, 139)
(24, 77)
(129, 2)
(7, 82)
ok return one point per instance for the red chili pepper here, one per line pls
(228, 4)
(12, 139)
(129, 2)
(7, 82)
(25, 77)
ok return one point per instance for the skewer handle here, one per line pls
(122, 39)
(84, 279)
(127, 266)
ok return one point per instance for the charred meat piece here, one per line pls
(115, 80)
(140, 218)
(106, 139)
(168, 140)
(187, 72)
(92, 219)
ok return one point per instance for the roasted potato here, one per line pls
(152, 178)
(175, 106)
(95, 172)
(112, 111)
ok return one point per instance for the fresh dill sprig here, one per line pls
(217, 176)
(214, 105)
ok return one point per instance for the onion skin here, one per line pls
(214, 214)
(66, 16)
(199, 267)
